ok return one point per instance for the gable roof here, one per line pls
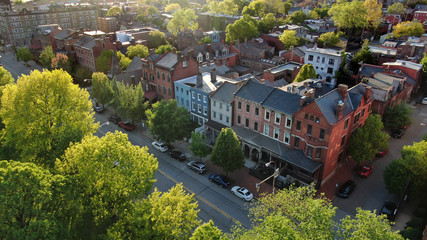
(154, 57)
(135, 65)
(328, 105)
(254, 91)
(282, 101)
(85, 42)
(225, 92)
(168, 60)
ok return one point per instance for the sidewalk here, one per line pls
(341, 175)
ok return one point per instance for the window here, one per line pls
(309, 151)
(238, 119)
(309, 128)
(227, 108)
(199, 97)
(288, 122)
(312, 118)
(239, 105)
(322, 134)
(185, 63)
(318, 152)
(204, 99)
(267, 115)
(177, 88)
(318, 58)
(199, 108)
(331, 61)
(330, 70)
(164, 90)
(220, 117)
(248, 108)
(317, 120)
(169, 77)
(214, 103)
(193, 106)
(278, 118)
(306, 116)
(205, 111)
(298, 125)
(193, 94)
(323, 59)
(310, 57)
(296, 143)
(342, 141)
(256, 111)
(286, 138)
(363, 112)
(160, 89)
(220, 105)
(276, 133)
(158, 75)
(247, 122)
(214, 114)
(266, 129)
(346, 124)
(356, 118)
(163, 76)
(227, 119)
(256, 126)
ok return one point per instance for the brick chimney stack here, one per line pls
(199, 80)
(342, 88)
(368, 92)
(302, 100)
(310, 93)
(340, 109)
(213, 75)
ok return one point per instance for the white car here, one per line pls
(424, 100)
(160, 146)
(242, 192)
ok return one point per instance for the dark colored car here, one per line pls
(390, 209)
(346, 189)
(365, 170)
(398, 133)
(220, 180)
(128, 126)
(381, 153)
(114, 119)
(198, 167)
(178, 155)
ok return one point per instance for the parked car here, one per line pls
(365, 170)
(198, 167)
(178, 155)
(346, 189)
(126, 125)
(242, 193)
(390, 209)
(403, 127)
(114, 119)
(424, 100)
(398, 133)
(98, 109)
(160, 146)
(220, 180)
(381, 153)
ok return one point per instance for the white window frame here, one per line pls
(266, 129)
(284, 138)
(199, 97)
(276, 132)
(193, 95)
(286, 123)
(277, 118)
(205, 111)
(193, 106)
(265, 115)
(204, 99)
(199, 108)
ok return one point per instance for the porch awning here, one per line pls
(215, 125)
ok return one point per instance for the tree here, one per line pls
(342, 75)
(397, 116)
(322, 12)
(24, 54)
(267, 23)
(81, 73)
(5, 79)
(424, 62)
(124, 61)
(255, 8)
(349, 15)
(289, 39)
(413, 28)
(307, 71)
(198, 145)
(368, 139)
(242, 29)
(172, 7)
(396, 8)
(396, 176)
(159, 121)
(169, 215)
(43, 113)
(329, 39)
(227, 152)
(298, 17)
(60, 61)
(29, 203)
(206, 40)
(156, 39)
(46, 56)
(367, 225)
(229, 7)
(114, 11)
(207, 231)
(102, 89)
(129, 101)
(374, 12)
(103, 62)
(182, 20)
(182, 3)
(364, 55)
(164, 48)
(313, 14)
(109, 173)
(137, 50)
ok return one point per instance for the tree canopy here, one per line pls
(183, 19)
(242, 29)
(297, 17)
(164, 48)
(307, 71)
(364, 55)
(129, 101)
(156, 39)
(114, 11)
(289, 39)
(229, 7)
(43, 113)
(255, 8)
(424, 62)
(267, 23)
(348, 14)
(198, 145)
(172, 7)
(137, 50)
(103, 62)
(396, 8)
(207, 231)
(46, 56)
(102, 89)
(124, 61)
(206, 40)
(227, 152)
(5, 78)
(24, 54)
(413, 28)
(374, 12)
(330, 39)
(61, 61)
(397, 116)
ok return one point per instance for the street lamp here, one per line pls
(106, 123)
(274, 176)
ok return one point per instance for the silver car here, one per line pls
(198, 167)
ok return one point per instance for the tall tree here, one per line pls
(242, 29)
(307, 71)
(129, 101)
(227, 152)
(198, 145)
(329, 39)
(413, 28)
(124, 61)
(424, 62)
(368, 139)
(342, 75)
(364, 55)
(103, 62)
(397, 116)
(396, 8)
(61, 61)
(207, 231)
(396, 176)
(289, 39)
(255, 9)
(80, 73)
(297, 17)
(102, 89)
(114, 11)
(267, 23)
(164, 48)
(43, 113)
(182, 20)
(349, 15)
(5, 79)
(172, 7)
(46, 56)
(206, 40)
(137, 50)
(374, 13)
(24, 54)
(156, 39)
(159, 121)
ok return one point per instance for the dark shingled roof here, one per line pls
(282, 101)
(254, 91)
(168, 60)
(153, 57)
(225, 92)
(328, 105)
(86, 42)
(136, 64)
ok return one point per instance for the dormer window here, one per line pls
(207, 56)
(224, 52)
(185, 63)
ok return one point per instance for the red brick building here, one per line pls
(286, 72)
(293, 55)
(420, 16)
(221, 53)
(393, 19)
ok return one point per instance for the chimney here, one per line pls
(213, 75)
(310, 94)
(302, 100)
(209, 48)
(342, 88)
(199, 80)
(368, 92)
(340, 109)
(293, 88)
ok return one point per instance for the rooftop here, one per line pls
(324, 51)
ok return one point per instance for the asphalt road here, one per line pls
(16, 68)
(215, 203)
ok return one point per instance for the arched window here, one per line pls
(317, 120)
(163, 76)
(311, 118)
(306, 116)
(169, 92)
(164, 90)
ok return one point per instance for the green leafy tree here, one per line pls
(342, 75)
(267, 23)
(255, 8)
(322, 12)
(156, 39)
(285, 7)
(307, 71)
(114, 11)
(297, 17)
(43, 113)
(424, 62)
(367, 225)
(227, 152)
(368, 139)
(374, 13)
(164, 48)
(172, 7)
(24, 54)
(182, 20)
(397, 116)
(413, 28)
(46, 56)
(129, 101)
(169, 215)
(229, 7)
(60, 61)
(207, 231)
(364, 55)
(124, 61)
(313, 14)
(396, 8)
(289, 39)
(137, 50)
(198, 145)
(102, 89)
(182, 3)
(103, 62)
(349, 15)
(330, 39)
(244, 28)
(396, 176)
(81, 73)
(161, 126)
(5, 79)
(206, 40)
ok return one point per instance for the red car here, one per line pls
(381, 153)
(365, 171)
(128, 126)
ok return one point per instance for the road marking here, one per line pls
(200, 197)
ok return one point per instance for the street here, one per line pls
(16, 68)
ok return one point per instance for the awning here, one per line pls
(150, 95)
(215, 125)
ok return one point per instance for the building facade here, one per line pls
(325, 62)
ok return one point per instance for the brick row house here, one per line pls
(221, 53)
